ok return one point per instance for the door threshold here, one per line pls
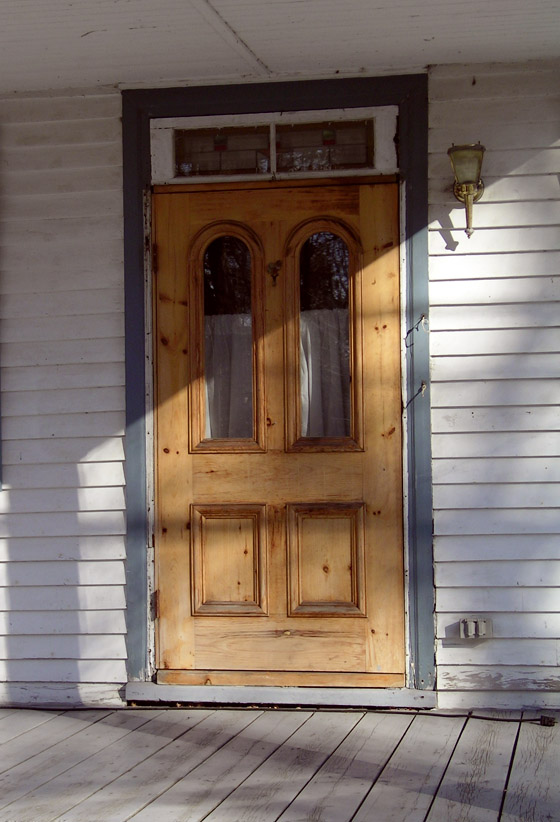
(152, 692)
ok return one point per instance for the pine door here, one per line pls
(279, 554)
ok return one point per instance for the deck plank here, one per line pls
(143, 783)
(473, 785)
(47, 765)
(19, 722)
(271, 788)
(262, 765)
(533, 791)
(405, 788)
(44, 736)
(338, 788)
(62, 793)
(205, 787)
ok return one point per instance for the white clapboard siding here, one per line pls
(488, 599)
(62, 507)
(494, 548)
(70, 401)
(63, 598)
(507, 266)
(478, 82)
(517, 135)
(509, 316)
(87, 646)
(63, 182)
(499, 652)
(73, 450)
(499, 469)
(495, 340)
(527, 573)
(51, 377)
(55, 132)
(64, 476)
(68, 523)
(472, 394)
(63, 499)
(498, 495)
(68, 425)
(72, 156)
(497, 444)
(57, 549)
(481, 290)
(500, 678)
(30, 354)
(497, 367)
(498, 418)
(527, 521)
(81, 327)
(84, 301)
(499, 341)
(29, 623)
(97, 572)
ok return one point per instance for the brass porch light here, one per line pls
(468, 187)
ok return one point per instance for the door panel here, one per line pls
(279, 543)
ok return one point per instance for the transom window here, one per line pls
(274, 146)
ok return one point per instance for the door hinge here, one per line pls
(154, 604)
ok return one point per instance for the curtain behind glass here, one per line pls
(228, 342)
(228, 339)
(324, 377)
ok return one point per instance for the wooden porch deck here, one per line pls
(248, 765)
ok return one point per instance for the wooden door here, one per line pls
(279, 555)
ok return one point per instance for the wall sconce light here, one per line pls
(468, 187)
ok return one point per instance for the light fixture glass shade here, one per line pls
(467, 162)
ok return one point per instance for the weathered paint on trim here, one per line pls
(409, 92)
(151, 692)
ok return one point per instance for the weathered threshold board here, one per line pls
(264, 765)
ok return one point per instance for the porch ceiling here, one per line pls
(86, 43)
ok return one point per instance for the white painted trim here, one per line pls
(409, 672)
(384, 123)
(150, 426)
(277, 117)
(261, 695)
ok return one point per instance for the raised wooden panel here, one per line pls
(311, 679)
(229, 559)
(326, 559)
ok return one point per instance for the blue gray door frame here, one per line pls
(409, 93)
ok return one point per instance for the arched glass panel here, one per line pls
(228, 339)
(324, 336)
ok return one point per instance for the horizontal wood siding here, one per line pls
(62, 510)
(495, 349)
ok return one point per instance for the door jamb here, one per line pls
(409, 92)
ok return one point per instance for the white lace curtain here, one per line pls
(324, 374)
